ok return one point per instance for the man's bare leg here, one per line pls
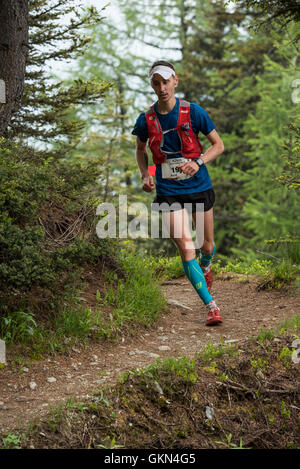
(178, 225)
(208, 247)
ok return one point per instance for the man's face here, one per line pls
(164, 89)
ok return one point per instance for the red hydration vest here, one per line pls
(190, 144)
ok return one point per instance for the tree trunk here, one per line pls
(13, 53)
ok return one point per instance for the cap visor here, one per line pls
(165, 75)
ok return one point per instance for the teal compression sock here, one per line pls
(206, 258)
(195, 275)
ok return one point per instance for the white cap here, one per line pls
(162, 70)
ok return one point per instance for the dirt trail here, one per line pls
(180, 332)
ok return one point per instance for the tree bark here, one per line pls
(13, 54)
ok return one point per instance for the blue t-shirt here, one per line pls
(201, 122)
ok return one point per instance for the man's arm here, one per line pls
(142, 157)
(142, 161)
(216, 148)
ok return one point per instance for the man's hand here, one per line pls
(189, 168)
(148, 184)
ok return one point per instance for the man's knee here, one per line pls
(207, 247)
(186, 247)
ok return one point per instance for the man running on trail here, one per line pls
(172, 125)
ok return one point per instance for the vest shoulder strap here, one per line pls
(150, 110)
(184, 113)
(184, 103)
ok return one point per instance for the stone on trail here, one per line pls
(177, 303)
(51, 379)
(164, 347)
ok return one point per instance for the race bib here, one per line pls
(170, 170)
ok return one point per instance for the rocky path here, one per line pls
(32, 390)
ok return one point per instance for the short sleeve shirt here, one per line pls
(201, 122)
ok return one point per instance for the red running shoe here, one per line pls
(208, 277)
(214, 317)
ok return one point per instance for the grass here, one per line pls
(243, 267)
(288, 326)
(11, 441)
(135, 299)
(126, 302)
(72, 322)
(229, 445)
(165, 268)
(18, 326)
(271, 275)
(182, 367)
(281, 276)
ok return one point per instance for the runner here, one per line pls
(172, 125)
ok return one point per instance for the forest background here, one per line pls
(247, 80)
(68, 145)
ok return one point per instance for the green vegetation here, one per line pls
(165, 268)
(228, 444)
(127, 297)
(134, 299)
(17, 327)
(291, 325)
(243, 267)
(11, 441)
(270, 274)
(252, 396)
(182, 368)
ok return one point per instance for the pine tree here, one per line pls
(47, 226)
(290, 176)
(271, 210)
(46, 104)
(13, 54)
(276, 13)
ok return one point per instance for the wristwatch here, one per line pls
(199, 162)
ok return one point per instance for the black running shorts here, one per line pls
(166, 203)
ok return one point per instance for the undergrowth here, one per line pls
(269, 274)
(134, 299)
(128, 297)
(228, 396)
